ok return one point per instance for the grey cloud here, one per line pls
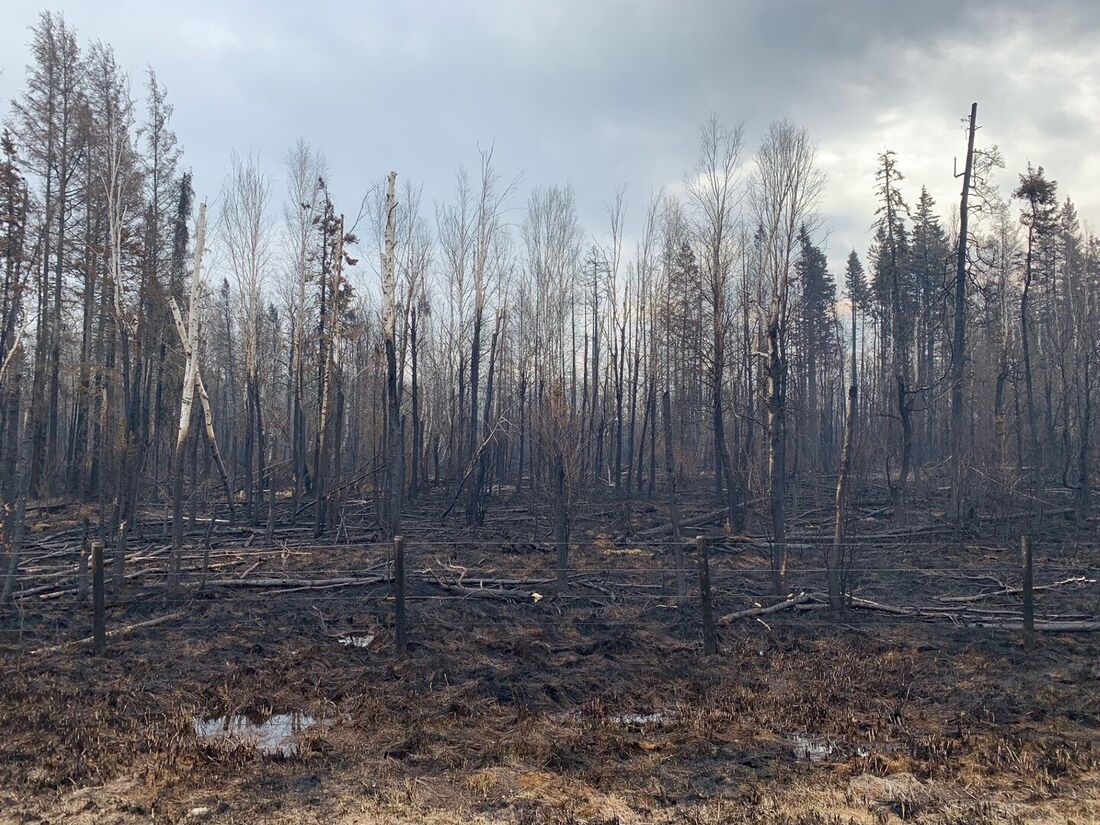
(598, 93)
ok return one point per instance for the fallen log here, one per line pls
(1045, 626)
(487, 592)
(47, 593)
(111, 634)
(1013, 591)
(1025, 514)
(793, 601)
(867, 604)
(695, 521)
(303, 584)
(940, 614)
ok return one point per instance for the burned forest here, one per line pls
(338, 494)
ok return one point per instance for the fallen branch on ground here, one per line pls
(111, 634)
(302, 584)
(1013, 591)
(793, 601)
(939, 614)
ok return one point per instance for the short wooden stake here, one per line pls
(399, 594)
(1029, 592)
(710, 634)
(99, 619)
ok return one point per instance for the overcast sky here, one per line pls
(598, 94)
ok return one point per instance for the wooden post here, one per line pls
(710, 634)
(1029, 594)
(99, 623)
(399, 593)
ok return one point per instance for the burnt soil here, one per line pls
(525, 705)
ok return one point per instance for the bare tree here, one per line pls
(958, 338)
(1039, 196)
(305, 170)
(856, 296)
(785, 188)
(246, 235)
(395, 473)
(486, 271)
(715, 198)
(47, 120)
(189, 334)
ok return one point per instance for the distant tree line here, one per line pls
(147, 358)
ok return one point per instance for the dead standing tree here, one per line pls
(485, 451)
(1039, 196)
(786, 186)
(618, 302)
(552, 253)
(645, 348)
(895, 286)
(414, 262)
(856, 297)
(958, 338)
(394, 453)
(247, 239)
(305, 170)
(328, 424)
(47, 121)
(487, 269)
(714, 195)
(117, 187)
(560, 431)
(15, 525)
(1087, 342)
(191, 343)
(189, 338)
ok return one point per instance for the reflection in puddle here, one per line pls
(356, 641)
(639, 718)
(275, 736)
(816, 750)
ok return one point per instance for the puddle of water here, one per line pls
(278, 735)
(816, 750)
(639, 719)
(356, 641)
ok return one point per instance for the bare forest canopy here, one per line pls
(156, 352)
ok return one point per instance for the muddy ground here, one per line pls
(521, 705)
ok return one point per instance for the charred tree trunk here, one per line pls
(190, 380)
(836, 555)
(17, 518)
(322, 481)
(670, 468)
(958, 340)
(777, 453)
(395, 481)
(474, 511)
(418, 437)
